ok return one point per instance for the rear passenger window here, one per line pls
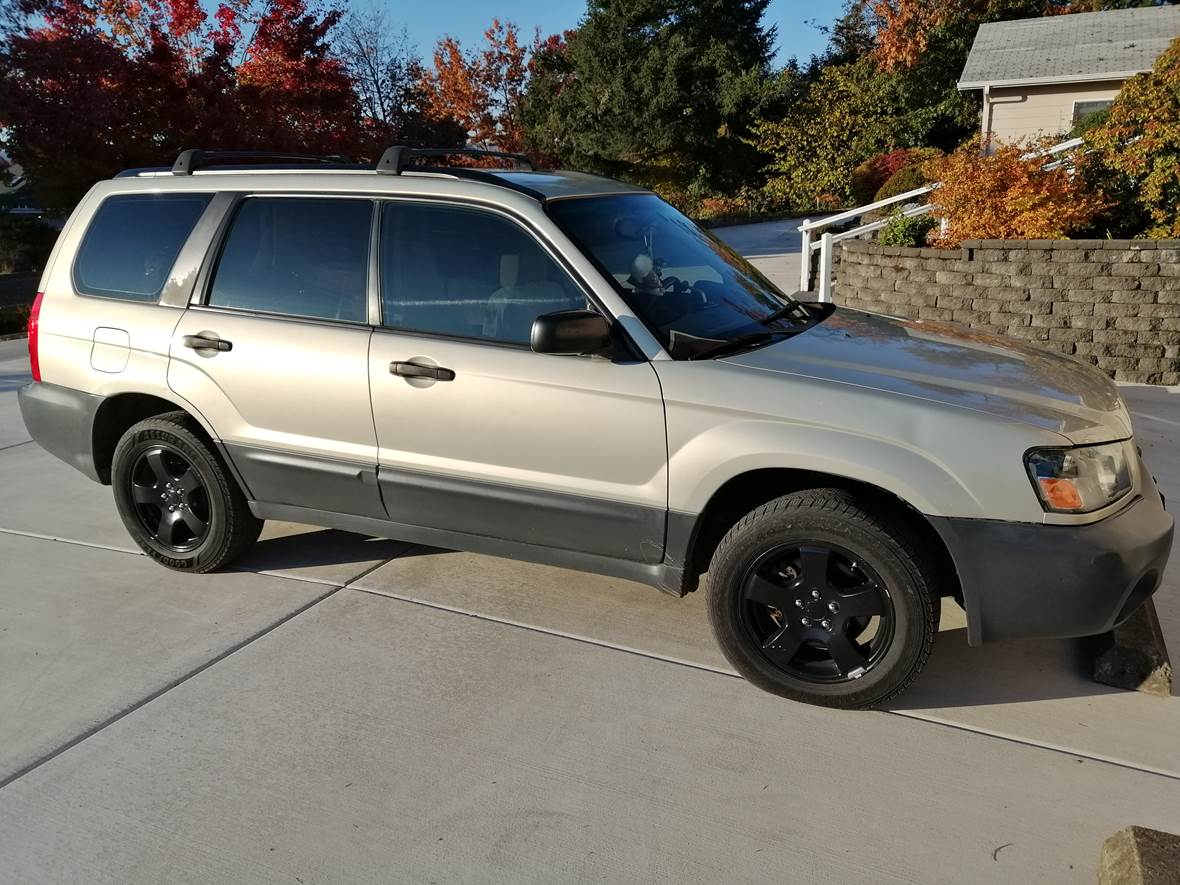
(304, 257)
(133, 242)
(464, 272)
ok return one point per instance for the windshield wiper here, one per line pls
(734, 345)
(791, 306)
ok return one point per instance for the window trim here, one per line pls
(208, 272)
(157, 299)
(517, 221)
(1073, 115)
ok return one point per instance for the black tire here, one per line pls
(176, 497)
(796, 620)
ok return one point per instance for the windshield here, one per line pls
(697, 295)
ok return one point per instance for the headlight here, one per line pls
(1083, 479)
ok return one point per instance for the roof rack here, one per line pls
(395, 159)
(191, 160)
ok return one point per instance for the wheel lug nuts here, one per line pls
(815, 594)
(798, 603)
(826, 624)
(833, 608)
(806, 622)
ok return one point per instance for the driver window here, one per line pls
(467, 273)
(298, 256)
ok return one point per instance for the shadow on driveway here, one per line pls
(319, 548)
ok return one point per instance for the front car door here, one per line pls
(274, 353)
(491, 439)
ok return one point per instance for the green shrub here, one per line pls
(1090, 121)
(870, 176)
(13, 320)
(25, 243)
(907, 178)
(902, 231)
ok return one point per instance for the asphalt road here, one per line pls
(349, 709)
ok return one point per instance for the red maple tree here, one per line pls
(482, 90)
(88, 87)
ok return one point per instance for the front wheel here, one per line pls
(176, 497)
(814, 598)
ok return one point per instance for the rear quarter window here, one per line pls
(132, 243)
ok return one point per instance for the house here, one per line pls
(1039, 76)
(15, 197)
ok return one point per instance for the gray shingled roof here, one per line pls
(1070, 48)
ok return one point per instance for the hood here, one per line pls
(954, 366)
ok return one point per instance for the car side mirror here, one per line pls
(571, 332)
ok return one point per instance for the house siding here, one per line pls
(1028, 111)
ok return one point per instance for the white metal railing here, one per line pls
(827, 240)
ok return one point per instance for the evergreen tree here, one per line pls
(656, 89)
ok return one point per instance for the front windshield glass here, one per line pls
(696, 294)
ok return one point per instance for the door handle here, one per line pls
(418, 370)
(203, 342)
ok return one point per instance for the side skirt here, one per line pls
(664, 576)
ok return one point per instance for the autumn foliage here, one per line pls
(88, 87)
(870, 176)
(483, 89)
(1141, 140)
(1014, 192)
(906, 29)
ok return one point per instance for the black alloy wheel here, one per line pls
(170, 498)
(816, 612)
(825, 597)
(178, 498)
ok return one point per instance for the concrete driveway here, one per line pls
(774, 247)
(349, 709)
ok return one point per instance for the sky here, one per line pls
(468, 19)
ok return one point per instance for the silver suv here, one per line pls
(562, 368)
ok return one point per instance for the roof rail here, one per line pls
(191, 160)
(397, 158)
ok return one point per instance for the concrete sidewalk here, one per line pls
(347, 709)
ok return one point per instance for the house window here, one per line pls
(1085, 108)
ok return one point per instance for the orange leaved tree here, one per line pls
(1141, 140)
(1014, 192)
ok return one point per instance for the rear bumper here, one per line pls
(1028, 580)
(61, 421)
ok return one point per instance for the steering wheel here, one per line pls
(683, 288)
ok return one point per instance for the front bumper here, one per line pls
(1029, 580)
(61, 420)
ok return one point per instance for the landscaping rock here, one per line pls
(1139, 856)
(1134, 656)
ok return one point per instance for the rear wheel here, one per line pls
(815, 598)
(176, 497)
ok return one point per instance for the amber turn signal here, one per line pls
(1061, 494)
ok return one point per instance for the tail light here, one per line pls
(34, 315)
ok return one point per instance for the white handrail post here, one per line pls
(825, 268)
(805, 251)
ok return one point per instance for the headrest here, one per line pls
(509, 270)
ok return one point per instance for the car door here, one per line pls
(478, 434)
(275, 355)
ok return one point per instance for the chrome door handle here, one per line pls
(417, 370)
(201, 342)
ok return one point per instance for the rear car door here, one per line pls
(494, 440)
(275, 354)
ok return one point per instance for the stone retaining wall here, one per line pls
(1112, 303)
